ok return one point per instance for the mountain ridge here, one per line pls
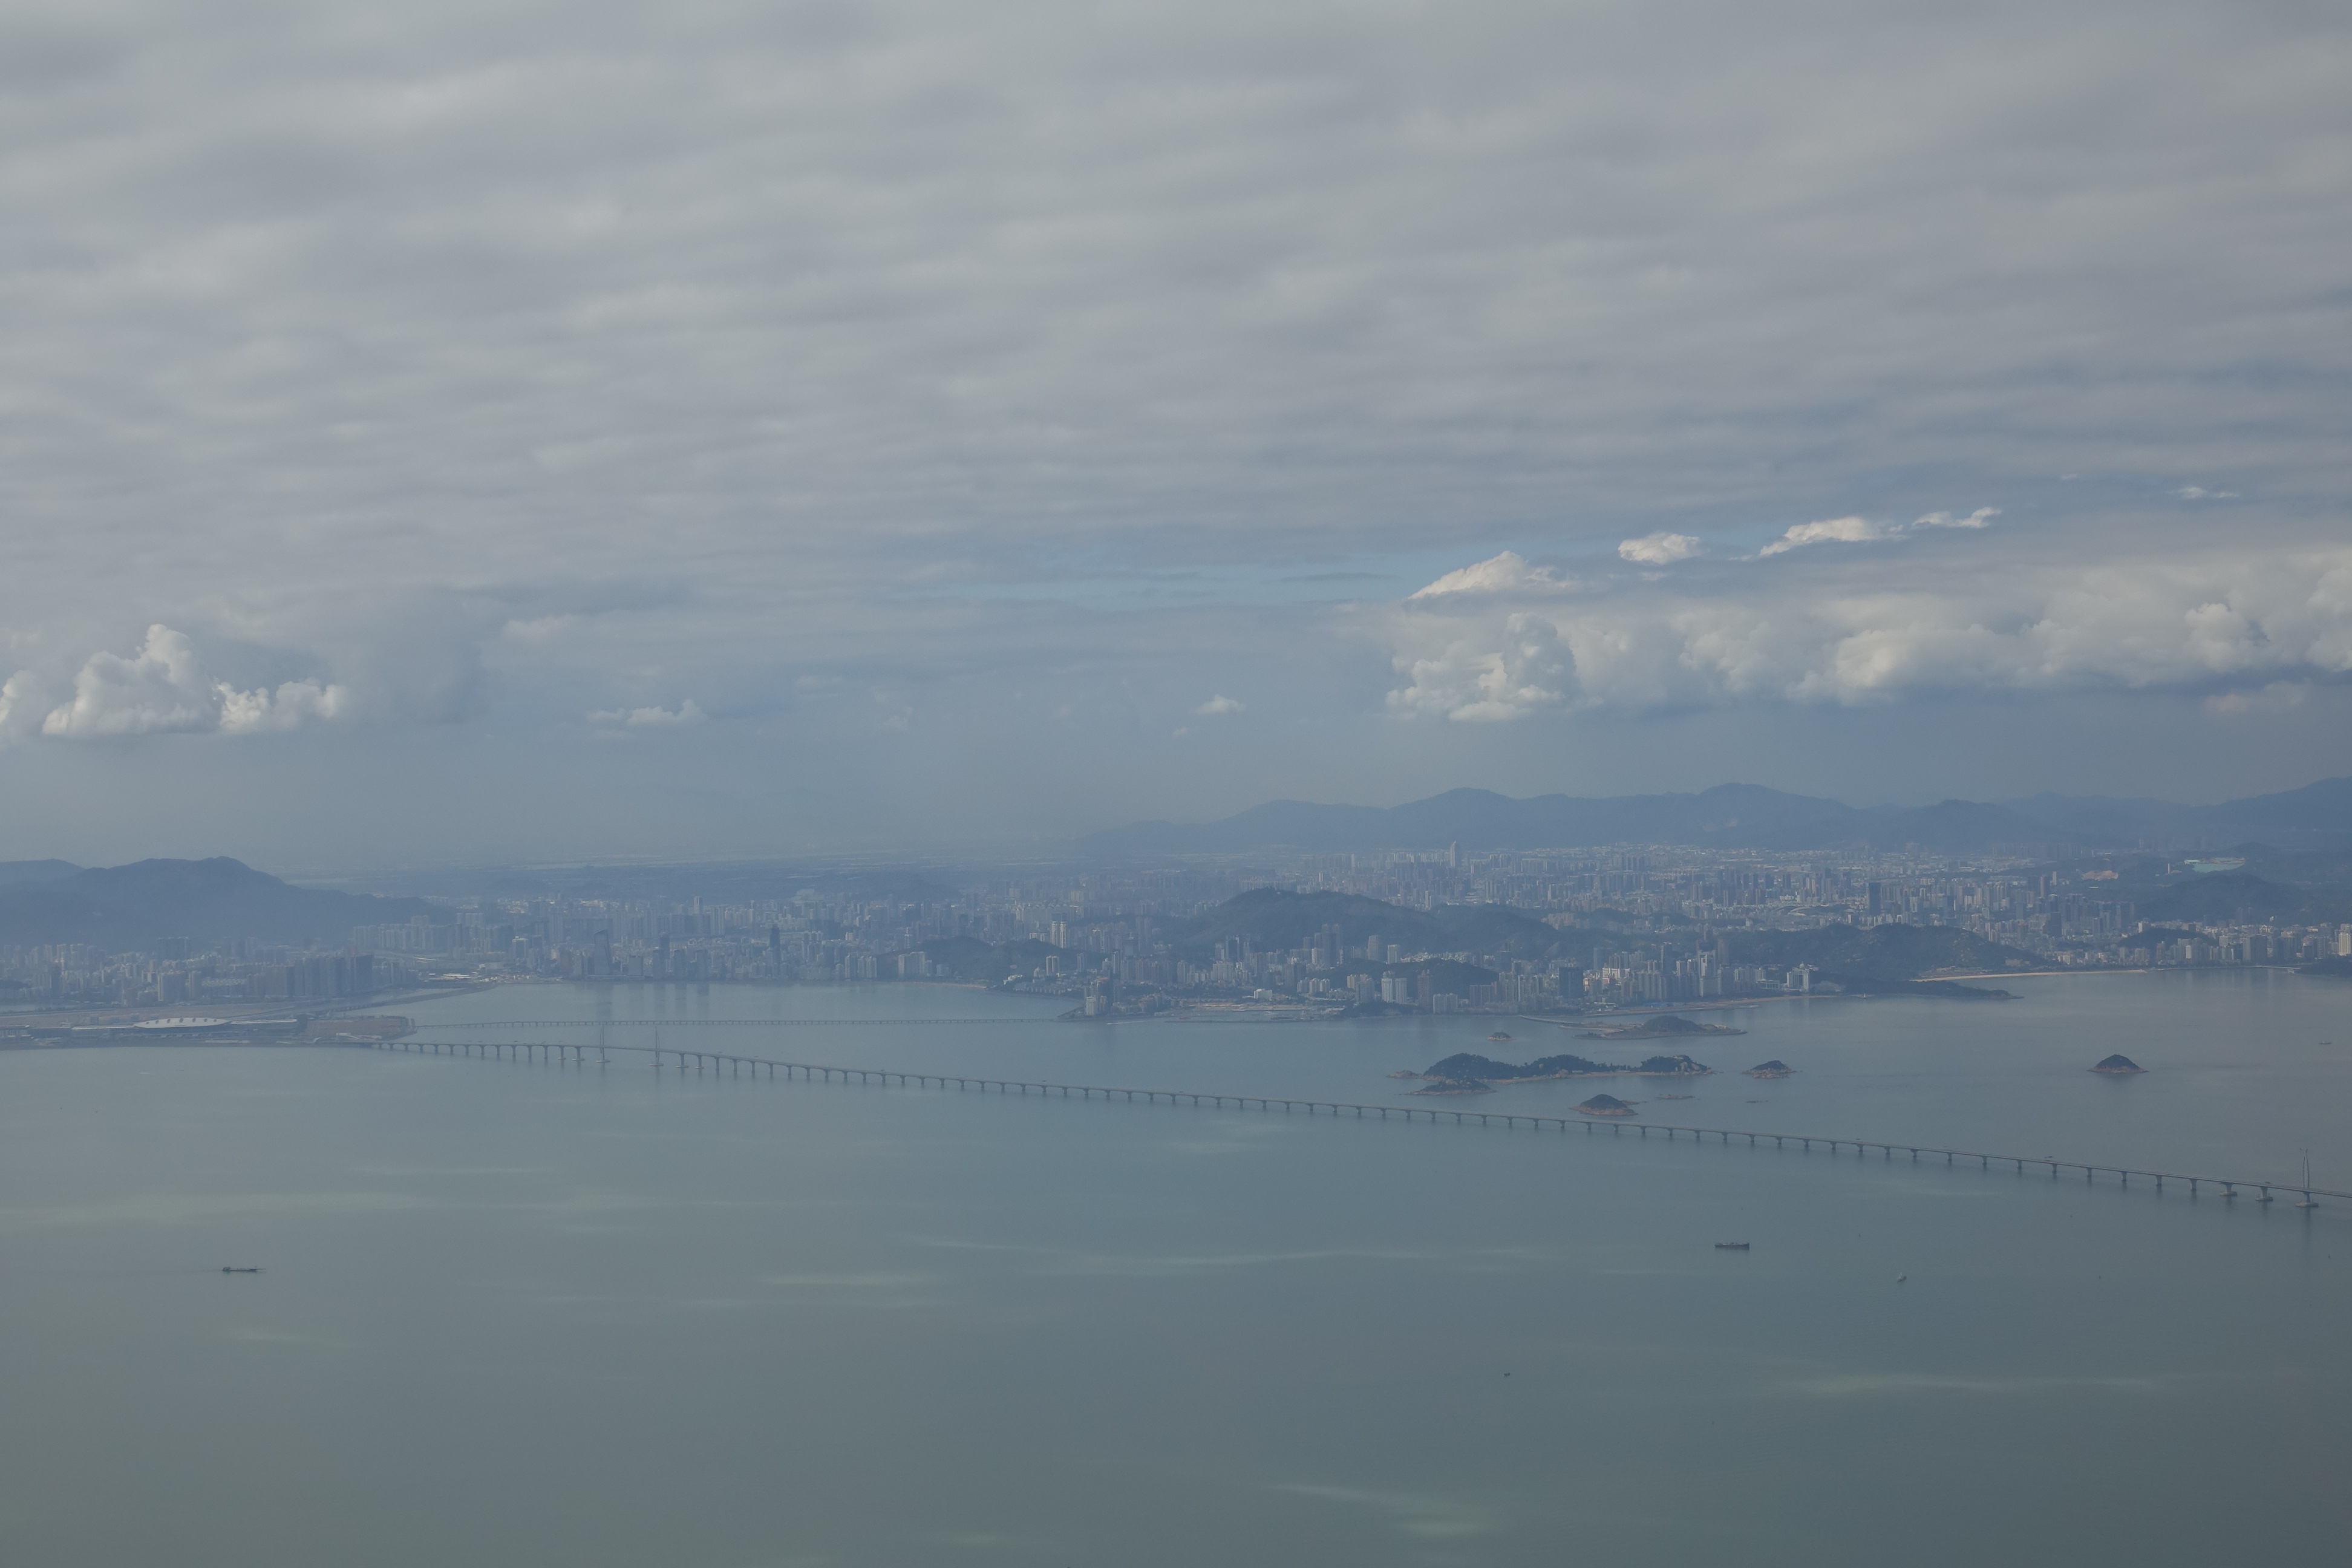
(1747, 816)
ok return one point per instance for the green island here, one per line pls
(1467, 1072)
(1659, 1027)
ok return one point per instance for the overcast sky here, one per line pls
(445, 432)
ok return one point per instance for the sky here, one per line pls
(444, 433)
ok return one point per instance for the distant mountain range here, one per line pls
(1751, 817)
(124, 908)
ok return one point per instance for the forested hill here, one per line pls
(1860, 959)
(127, 907)
(1276, 918)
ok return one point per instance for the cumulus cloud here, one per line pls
(1863, 531)
(1489, 678)
(2279, 697)
(2199, 492)
(1509, 572)
(1220, 704)
(2256, 623)
(686, 713)
(163, 689)
(1660, 549)
(1836, 531)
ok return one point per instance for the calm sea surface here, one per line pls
(521, 1314)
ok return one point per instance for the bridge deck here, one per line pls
(820, 1071)
(709, 1023)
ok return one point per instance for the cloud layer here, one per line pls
(935, 391)
(1970, 624)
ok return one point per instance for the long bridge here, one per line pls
(719, 1063)
(708, 1023)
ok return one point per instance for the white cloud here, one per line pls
(1660, 549)
(1509, 572)
(2279, 697)
(1863, 531)
(686, 713)
(2197, 493)
(1220, 704)
(1836, 531)
(22, 705)
(2257, 624)
(1479, 680)
(163, 689)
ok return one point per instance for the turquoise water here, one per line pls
(520, 1314)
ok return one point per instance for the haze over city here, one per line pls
(584, 430)
(862, 783)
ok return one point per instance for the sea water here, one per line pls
(520, 1314)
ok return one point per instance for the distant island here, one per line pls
(1773, 1068)
(1468, 1073)
(1664, 1024)
(2119, 1066)
(1606, 1105)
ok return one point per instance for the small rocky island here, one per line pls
(1671, 1067)
(2119, 1066)
(1467, 1073)
(1659, 1028)
(1454, 1085)
(1606, 1105)
(1773, 1068)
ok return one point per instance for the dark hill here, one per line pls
(2316, 817)
(125, 907)
(2226, 896)
(1276, 918)
(15, 872)
(969, 959)
(1877, 957)
(1486, 1070)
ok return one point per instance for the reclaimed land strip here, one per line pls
(737, 1066)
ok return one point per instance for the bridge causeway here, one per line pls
(707, 1022)
(725, 1065)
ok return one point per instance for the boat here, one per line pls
(1498, 1037)
(1731, 1246)
(227, 1269)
